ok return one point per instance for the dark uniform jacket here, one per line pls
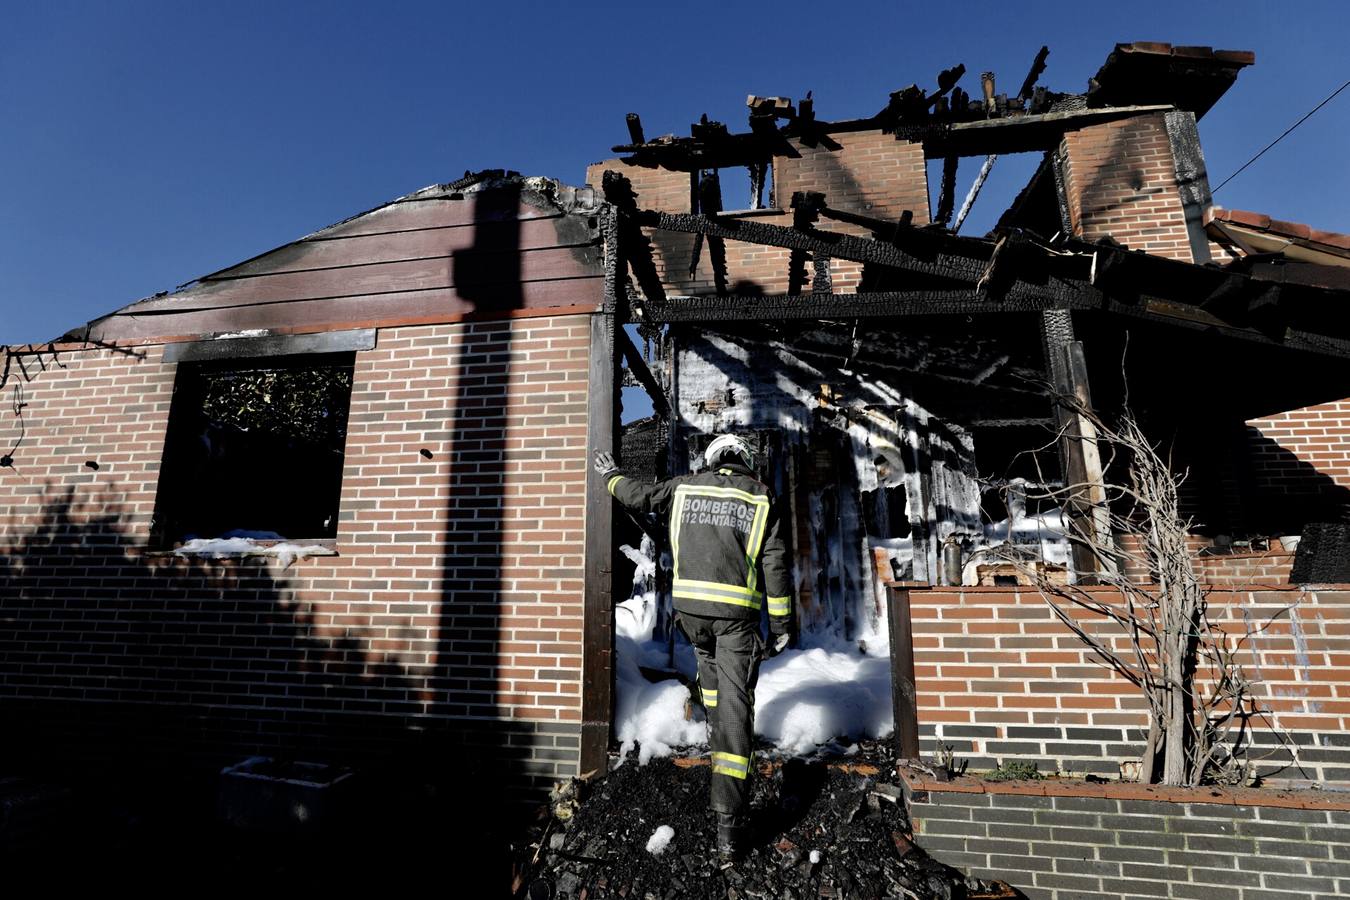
(730, 561)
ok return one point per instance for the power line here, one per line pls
(1282, 137)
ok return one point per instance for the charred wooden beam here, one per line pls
(904, 693)
(1094, 479)
(759, 173)
(635, 129)
(1082, 467)
(806, 207)
(1037, 67)
(710, 204)
(822, 282)
(783, 307)
(1192, 179)
(638, 367)
(933, 262)
(987, 89)
(1056, 336)
(602, 552)
(947, 196)
(882, 229)
(1000, 274)
(974, 192)
(1020, 133)
(631, 244)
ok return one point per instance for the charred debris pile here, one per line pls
(819, 830)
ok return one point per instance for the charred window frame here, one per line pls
(255, 447)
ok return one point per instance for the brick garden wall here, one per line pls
(450, 618)
(1113, 843)
(999, 678)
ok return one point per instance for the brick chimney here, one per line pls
(1142, 181)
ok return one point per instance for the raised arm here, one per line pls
(633, 494)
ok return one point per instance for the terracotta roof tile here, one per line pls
(1295, 231)
(1237, 57)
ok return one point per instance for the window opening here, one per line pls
(255, 449)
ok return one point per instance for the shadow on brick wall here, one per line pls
(131, 679)
(134, 678)
(1285, 492)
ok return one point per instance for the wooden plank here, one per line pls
(437, 213)
(1090, 460)
(462, 270)
(331, 252)
(271, 345)
(904, 693)
(1057, 335)
(917, 251)
(1021, 298)
(1021, 134)
(346, 312)
(602, 430)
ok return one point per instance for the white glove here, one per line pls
(604, 463)
(777, 644)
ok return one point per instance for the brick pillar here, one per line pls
(1120, 179)
(658, 189)
(870, 173)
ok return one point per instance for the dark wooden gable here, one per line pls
(436, 255)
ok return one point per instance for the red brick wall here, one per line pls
(1318, 436)
(656, 188)
(454, 601)
(871, 173)
(1001, 677)
(1120, 180)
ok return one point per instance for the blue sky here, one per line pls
(146, 143)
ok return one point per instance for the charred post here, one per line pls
(602, 552)
(947, 196)
(904, 695)
(633, 246)
(710, 204)
(806, 209)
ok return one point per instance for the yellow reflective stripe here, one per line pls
(780, 606)
(714, 598)
(613, 481)
(707, 490)
(756, 540)
(719, 586)
(709, 697)
(731, 764)
(676, 517)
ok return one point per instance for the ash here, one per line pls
(817, 831)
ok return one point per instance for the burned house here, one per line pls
(408, 398)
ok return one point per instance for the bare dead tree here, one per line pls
(1145, 614)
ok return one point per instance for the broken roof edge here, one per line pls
(1331, 242)
(1193, 78)
(538, 190)
(542, 192)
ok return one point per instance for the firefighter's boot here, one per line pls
(731, 836)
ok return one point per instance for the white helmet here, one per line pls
(729, 444)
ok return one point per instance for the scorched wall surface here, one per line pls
(450, 618)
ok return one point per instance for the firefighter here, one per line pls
(729, 565)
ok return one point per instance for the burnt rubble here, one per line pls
(818, 830)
